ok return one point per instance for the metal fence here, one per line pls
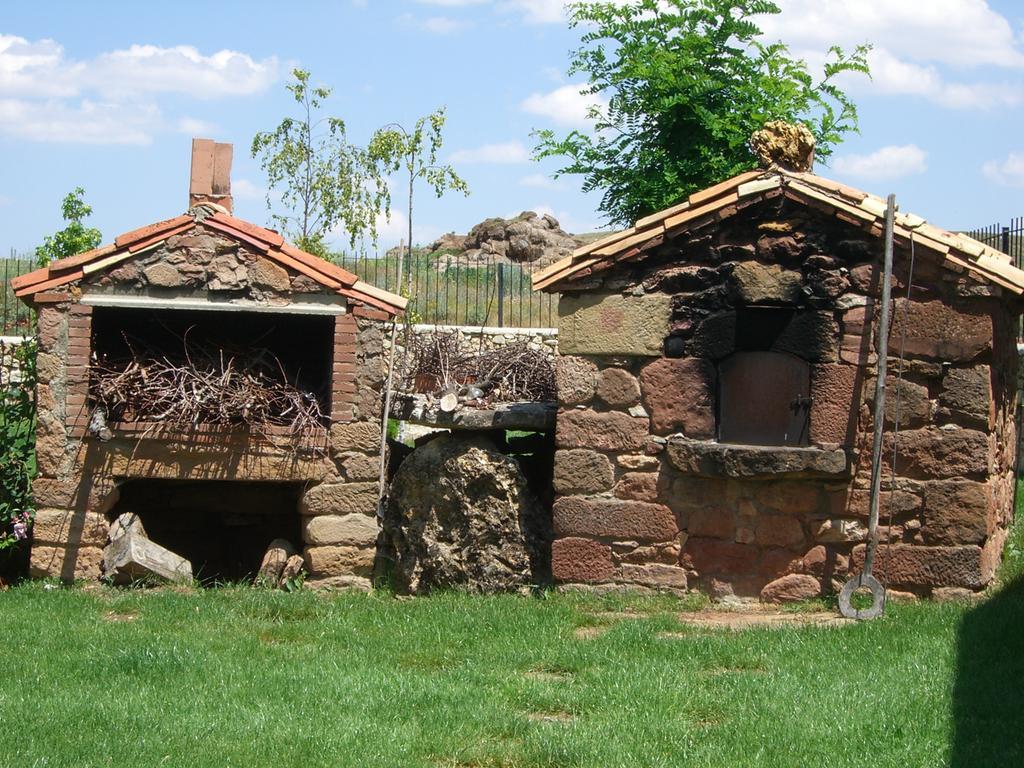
(18, 319)
(453, 289)
(1009, 240)
(443, 289)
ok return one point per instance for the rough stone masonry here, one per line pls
(79, 475)
(649, 494)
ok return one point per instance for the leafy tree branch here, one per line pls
(75, 237)
(323, 181)
(679, 88)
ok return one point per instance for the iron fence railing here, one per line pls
(454, 289)
(443, 289)
(1009, 239)
(18, 319)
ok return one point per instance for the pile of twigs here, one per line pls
(206, 386)
(444, 362)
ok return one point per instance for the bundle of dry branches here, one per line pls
(444, 362)
(208, 387)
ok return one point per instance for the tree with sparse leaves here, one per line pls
(322, 180)
(414, 153)
(75, 237)
(679, 87)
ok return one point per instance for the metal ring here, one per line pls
(877, 598)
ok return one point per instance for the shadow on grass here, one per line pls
(988, 693)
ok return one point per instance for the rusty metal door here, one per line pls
(763, 399)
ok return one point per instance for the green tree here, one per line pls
(75, 237)
(393, 148)
(680, 86)
(414, 153)
(321, 178)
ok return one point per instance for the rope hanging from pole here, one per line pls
(899, 392)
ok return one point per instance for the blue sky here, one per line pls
(107, 95)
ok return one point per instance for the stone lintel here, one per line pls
(711, 459)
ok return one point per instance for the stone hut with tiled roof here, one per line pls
(216, 494)
(715, 379)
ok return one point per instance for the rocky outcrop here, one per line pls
(460, 515)
(529, 237)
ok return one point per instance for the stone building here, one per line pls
(216, 495)
(716, 388)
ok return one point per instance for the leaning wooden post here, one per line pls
(883, 364)
(866, 579)
(388, 389)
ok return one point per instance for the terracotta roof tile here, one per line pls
(253, 242)
(614, 237)
(860, 209)
(144, 233)
(78, 260)
(654, 218)
(343, 276)
(45, 285)
(716, 191)
(268, 236)
(393, 305)
(629, 242)
(30, 278)
(264, 240)
(141, 245)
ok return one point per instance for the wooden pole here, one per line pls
(388, 387)
(883, 354)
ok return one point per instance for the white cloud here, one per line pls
(84, 123)
(453, 3)
(961, 33)
(195, 127)
(108, 99)
(5, 200)
(435, 25)
(537, 11)
(895, 76)
(1008, 172)
(505, 153)
(442, 25)
(145, 69)
(243, 189)
(33, 68)
(539, 181)
(920, 49)
(892, 162)
(563, 106)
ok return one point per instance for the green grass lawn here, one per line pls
(240, 677)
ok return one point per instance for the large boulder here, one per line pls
(460, 515)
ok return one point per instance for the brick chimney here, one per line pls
(211, 173)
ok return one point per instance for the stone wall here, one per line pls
(488, 338)
(79, 475)
(647, 496)
(10, 368)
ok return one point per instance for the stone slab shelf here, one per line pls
(711, 459)
(524, 416)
